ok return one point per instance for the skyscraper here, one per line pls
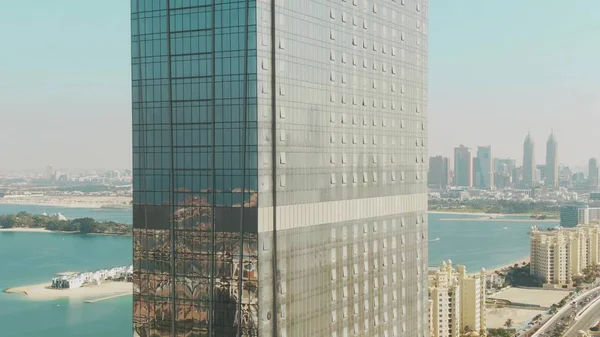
(484, 168)
(439, 172)
(463, 166)
(528, 162)
(551, 168)
(280, 181)
(593, 174)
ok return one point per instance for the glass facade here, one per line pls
(279, 167)
(195, 173)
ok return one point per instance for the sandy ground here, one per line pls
(487, 215)
(545, 298)
(488, 219)
(506, 266)
(74, 202)
(501, 268)
(44, 292)
(496, 317)
(39, 230)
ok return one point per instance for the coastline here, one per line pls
(43, 230)
(480, 216)
(43, 292)
(109, 203)
(473, 213)
(507, 266)
(500, 268)
(29, 230)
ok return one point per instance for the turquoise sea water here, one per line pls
(31, 258)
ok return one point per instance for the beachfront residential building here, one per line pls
(78, 280)
(457, 301)
(559, 255)
(280, 168)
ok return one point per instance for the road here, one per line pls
(585, 319)
(567, 313)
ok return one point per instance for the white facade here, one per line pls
(93, 277)
(457, 301)
(559, 255)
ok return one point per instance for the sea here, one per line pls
(31, 258)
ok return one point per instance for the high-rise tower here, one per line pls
(593, 174)
(551, 168)
(528, 162)
(280, 168)
(484, 168)
(463, 166)
(439, 172)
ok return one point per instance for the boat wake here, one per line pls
(436, 239)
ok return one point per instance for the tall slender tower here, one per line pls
(528, 162)
(463, 167)
(593, 174)
(280, 172)
(484, 168)
(551, 168)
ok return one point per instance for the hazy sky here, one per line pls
(496, 69)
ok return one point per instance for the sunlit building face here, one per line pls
(279, 167)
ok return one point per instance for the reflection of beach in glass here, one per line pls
(153, 284)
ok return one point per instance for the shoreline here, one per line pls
(108, 203)
(507, 266)
(43, 230)
(492, 219)
(473, 213)
(43, 292)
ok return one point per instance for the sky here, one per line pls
(496, 70)
(500, 68)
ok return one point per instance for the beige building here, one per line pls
(457, 301)
(561, 254)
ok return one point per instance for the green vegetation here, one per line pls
(520, 276)
(500, 332)
(540, 210)
(53, 223)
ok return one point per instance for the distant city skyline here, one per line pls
(65, 80)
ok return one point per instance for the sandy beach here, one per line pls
(36, 230)
(488, 215)
(43, 291)
(491, 219)
(72, 202)
(19, 229)
(506, 266)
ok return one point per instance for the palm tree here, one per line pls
(466, 330)
(509, 323)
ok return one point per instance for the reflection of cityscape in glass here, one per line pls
(279, 171)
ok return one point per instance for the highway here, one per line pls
(567, 313)
(585, 319)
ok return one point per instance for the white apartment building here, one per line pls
(457, 301)
(561, 254)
